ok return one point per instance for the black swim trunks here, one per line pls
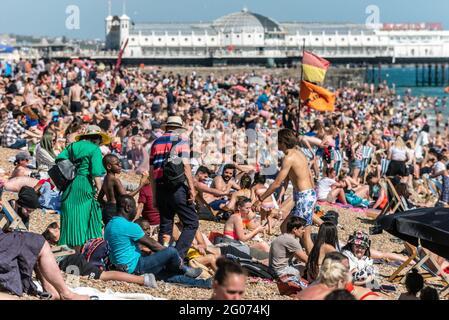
(75, 106)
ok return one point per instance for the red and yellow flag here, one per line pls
(317, 97)
(314, 67)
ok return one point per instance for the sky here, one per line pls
(49, 17)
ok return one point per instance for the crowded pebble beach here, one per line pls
(268, 199)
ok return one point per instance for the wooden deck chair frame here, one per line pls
(396, 196)
(414, 253)
(391, 205)
(11, 216)
(406, 267)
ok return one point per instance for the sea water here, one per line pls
(404, 79)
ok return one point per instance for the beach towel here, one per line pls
(109, 294)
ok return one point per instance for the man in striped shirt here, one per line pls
(171, 200)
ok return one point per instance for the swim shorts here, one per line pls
(75, 106)
(304, 205)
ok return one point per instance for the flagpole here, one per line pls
(302, 78)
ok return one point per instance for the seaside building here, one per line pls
(248, 36)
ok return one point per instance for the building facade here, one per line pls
(246, 34)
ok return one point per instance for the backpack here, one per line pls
(96, 251)
(254, 268)
(173, 169)
(63, 172)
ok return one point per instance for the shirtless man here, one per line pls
(207, 194)
(112, 187)
(226, 180)
(295, 168)
(75, 94)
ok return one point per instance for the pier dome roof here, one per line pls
(246, 21)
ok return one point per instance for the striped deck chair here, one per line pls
(337, 157)
(384, 163)
(367, 153)
(307, 153)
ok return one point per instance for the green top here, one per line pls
(86, 156)
(80, 212)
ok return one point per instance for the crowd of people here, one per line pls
(224, 148)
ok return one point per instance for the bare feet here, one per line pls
(73, 296)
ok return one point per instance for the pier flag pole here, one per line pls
(120, 55)
(302, 78)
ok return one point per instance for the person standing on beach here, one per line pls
(295, 169)
(75, 94)
(81, 218)
(171, 199)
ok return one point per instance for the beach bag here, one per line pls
(254, 268)
(331, 216)
(96, 251)
(289, 287)
(173, 170)
(63, 172)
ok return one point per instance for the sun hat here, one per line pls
(360, 238)
(93, 130)
(22, 156)
(174, 122)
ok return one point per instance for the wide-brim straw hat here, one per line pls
(174, 122)
(93, 130)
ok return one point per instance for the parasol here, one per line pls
(429, 225)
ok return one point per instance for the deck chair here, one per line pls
(394, 201)
(394, 196)
(406, 266)
(10, 218)
(430, 186)
(337, 157)
(395, 276)
(367, 153)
